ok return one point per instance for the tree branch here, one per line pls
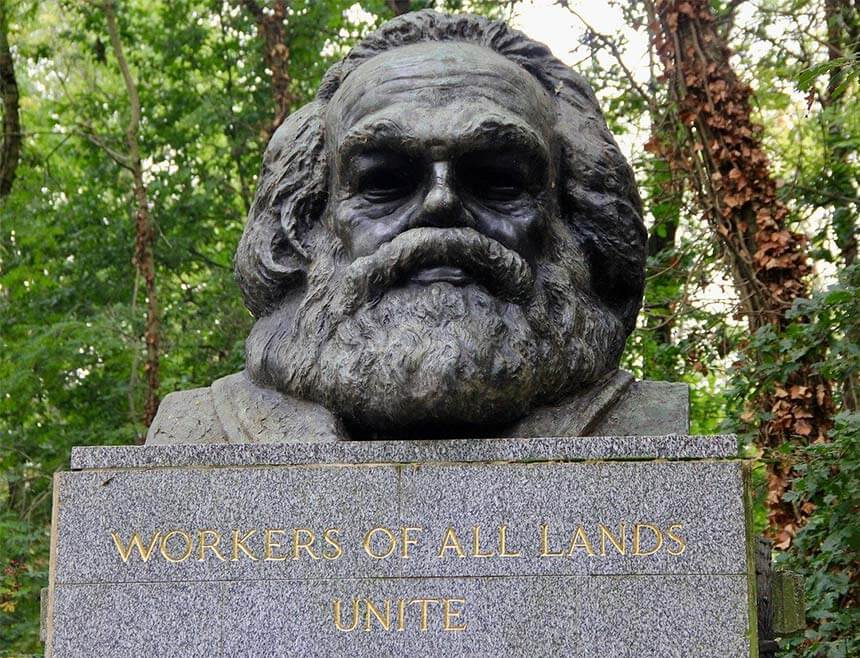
(144, 258)
(616, 53)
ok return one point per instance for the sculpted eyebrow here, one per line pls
(375, 136)
(510, 135)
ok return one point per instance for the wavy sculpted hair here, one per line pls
(598, 196)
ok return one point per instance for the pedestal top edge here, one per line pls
(549, 449)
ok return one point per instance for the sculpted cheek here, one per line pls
(516, 224)
(363, 225)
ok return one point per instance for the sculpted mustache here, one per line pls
(502, 271)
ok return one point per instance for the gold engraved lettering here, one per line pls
(620, 542)
(371, 609)
(680, 541)
(580, 540)
(450, 615)
(450, 542)
(476, 543)
(423, 603)
(330, 538)
(544, 543)
(407, 540)
(270, 544)
(637, 536)
(135, 542)
(202, 537)
(401, 614)
(337, 616)
(391, 614)
(503, 546)
(307, 543)
(239, 545)
(189, 545)
(368, 543)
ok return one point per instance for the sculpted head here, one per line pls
(447, 237)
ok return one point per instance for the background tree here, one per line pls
(721, 150)
(144, 258)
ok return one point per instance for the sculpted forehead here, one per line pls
(411, 84)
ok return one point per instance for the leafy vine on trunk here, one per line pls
(721, 151)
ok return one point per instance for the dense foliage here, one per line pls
(211, 76)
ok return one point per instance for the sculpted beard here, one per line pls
(388, 357)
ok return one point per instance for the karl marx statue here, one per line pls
(447, 242)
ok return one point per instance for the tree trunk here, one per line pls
(11, 150)
(276, 55)
(723, 155)
(232, 132)
(144, 259)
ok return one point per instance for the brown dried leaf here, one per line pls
(653, 146)
(798, 392)
(802, 427)
(783, 541)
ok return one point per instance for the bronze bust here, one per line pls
(447, 242)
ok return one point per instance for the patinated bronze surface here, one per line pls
(446, 242)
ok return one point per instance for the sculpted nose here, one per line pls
(442, 202)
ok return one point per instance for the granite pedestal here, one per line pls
(595, 546)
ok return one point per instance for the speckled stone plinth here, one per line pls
(551, 547)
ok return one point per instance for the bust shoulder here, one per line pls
(616, 405)
(648, 408)
(236, 410)
(186, 417)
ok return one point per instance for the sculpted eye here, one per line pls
(493, 183)
(499, 175)
(385, 184)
